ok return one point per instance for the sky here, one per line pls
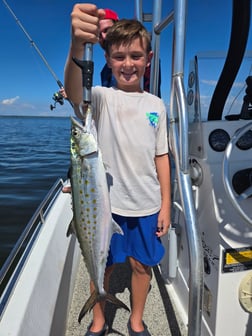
(27, 86)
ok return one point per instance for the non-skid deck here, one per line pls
(159, 313)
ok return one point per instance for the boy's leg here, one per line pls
(140, 283)
(98, 310)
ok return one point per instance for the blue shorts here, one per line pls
(139, 241)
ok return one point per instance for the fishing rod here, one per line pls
(87, 69)
(57, 97)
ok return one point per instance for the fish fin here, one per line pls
(116, 228)
(88, 306)
(96, 297)
(114, 300)
(106, 166)
(71, 229)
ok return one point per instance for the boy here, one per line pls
(132, 136)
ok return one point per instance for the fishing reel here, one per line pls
(58, 98)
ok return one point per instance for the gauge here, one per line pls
(218, 140)
(190, 97)
(191, 79)
(245, 141)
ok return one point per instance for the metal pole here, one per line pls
(157, 8)
(179, 139)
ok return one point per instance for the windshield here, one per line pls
(209, 67)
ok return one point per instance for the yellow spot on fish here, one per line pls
(94, 201)
(92, 189)
(94, 216)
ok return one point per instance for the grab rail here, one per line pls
(178, 138)
(15, 261)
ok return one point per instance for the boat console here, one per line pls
(220, 169)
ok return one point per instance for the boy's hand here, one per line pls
(85, 24)
(163, 223)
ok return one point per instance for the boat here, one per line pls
(207, 269)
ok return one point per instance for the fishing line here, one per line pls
(33, 44)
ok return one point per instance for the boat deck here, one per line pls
(159, 315)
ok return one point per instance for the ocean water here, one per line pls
(34, 153)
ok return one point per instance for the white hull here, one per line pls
(40, 300)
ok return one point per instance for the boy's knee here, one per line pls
(139, 268)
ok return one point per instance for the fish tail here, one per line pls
(114, 300)
(88, 306)
(94, 298)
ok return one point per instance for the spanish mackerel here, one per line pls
(93, 222)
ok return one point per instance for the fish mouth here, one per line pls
(76, 124)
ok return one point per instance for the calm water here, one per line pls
(34, 152)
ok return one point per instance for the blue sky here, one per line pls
(27, 85)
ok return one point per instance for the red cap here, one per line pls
(110, 15)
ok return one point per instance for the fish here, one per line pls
(92, 217)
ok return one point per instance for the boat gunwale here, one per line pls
(11, 269)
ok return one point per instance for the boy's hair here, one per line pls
(124, 32)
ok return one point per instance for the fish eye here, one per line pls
(75, 132)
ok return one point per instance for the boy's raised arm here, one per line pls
(84, 28)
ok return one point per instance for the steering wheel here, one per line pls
(235, 200)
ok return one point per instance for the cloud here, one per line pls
(209, 82)
(214, 82)
(9, 101)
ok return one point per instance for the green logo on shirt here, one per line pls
(153, 118)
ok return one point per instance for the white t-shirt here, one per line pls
(131, 130)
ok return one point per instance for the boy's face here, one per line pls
(128, 63)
